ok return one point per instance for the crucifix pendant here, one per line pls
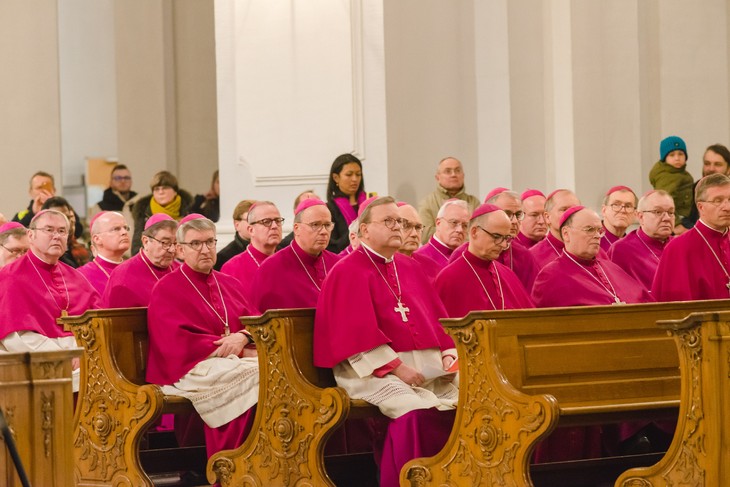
(402, 310)
(617, 301)
(228, 330)
(64, 312)
(728, 285)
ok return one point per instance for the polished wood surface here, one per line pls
(698, 454)
(116, 405)
(37, 401)
(299, 407)
(587, 365)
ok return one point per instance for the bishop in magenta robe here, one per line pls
(196, 340)
(696, 264)
(379, 331)
(476, 280)
(293, 277)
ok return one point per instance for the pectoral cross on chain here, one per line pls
(402, 310)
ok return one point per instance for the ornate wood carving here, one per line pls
(697, 455)
(496, 426)
(47, 421)
(293, 417)
(112, 413)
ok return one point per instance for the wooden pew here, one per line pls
(37, 402)
(699, 453)
(116, 405)
(299, 407)
(602, 364)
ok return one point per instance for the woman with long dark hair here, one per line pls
(345, 194)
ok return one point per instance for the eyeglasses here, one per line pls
(122, 178)
(411, 226)
(717, 202)
(16, 252)
(267, 222)
(163, 243)
(616, 207)
(317, 226)
(659, 213)
(197, 245)
(498, 238)
(518, 215)
(392, 222)
(592, 231)
(117, 229)
(61, 232)
(458, 223)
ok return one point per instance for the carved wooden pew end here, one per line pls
(299, 408)
(116, 406)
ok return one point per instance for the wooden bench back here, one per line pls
(302, 342)
(598, 359)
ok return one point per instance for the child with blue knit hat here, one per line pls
(670, 174)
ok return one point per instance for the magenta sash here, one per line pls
(347, 210)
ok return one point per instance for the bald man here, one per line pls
(110, 239)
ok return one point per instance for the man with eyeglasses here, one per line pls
(551, 247)
(452, 221)
(640, 251)
(130, 285)
(515, 256)
(37, 288)
(377, 327)
(476, 280)
(449, 185)
(118, 192)
(264, 227)
(580, 276)
(412, 229)
(14, 242)
(293, 277)
(533, 228)
(618, 211)
(110, 239)
(197, 346)
(696, 264)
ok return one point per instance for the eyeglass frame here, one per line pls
(456, 223)
(61, 232)
(279, 221)
(210, 244)
(408, 226)
(318, 226)
(17, 252)
(628, 209)
(390, 222)
(519, 215)
(590, 231)
(497, 237)
(166, 246)
(716, 204)
(660, 213)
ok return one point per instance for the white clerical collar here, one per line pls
(386, 259)
(99, 256)
(721, 232)
(439, 241)
(42, 259)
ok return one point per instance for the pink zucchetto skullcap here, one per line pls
(529, 193)
(157, 218)
(618, 188)
(37, 215)
(649, 193)
(192, 216)
(308, 203)
(365, 204)
(401, 203)
(6, 227)
(554, 193)
(569, 212)
(494, 193)
(483, 209)
(94, 218)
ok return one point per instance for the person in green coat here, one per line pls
(670, 174)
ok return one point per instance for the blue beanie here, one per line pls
(670, 144)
